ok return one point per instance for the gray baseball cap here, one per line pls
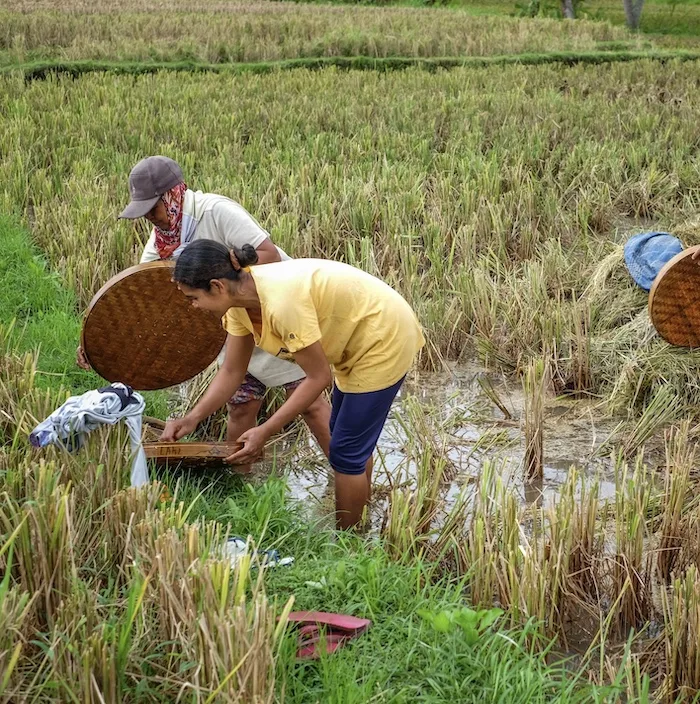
(148, 180)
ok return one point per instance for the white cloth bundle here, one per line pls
(68, 425)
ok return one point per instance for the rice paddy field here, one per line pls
(535, 529)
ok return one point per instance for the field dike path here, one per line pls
(41, 69)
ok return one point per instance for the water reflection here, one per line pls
(473, 429)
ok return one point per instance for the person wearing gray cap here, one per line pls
(180, 216)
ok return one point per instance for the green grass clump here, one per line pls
(41, 311)
(38, 314)
(402, 658)
(37, 70)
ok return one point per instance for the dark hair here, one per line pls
(204, 260)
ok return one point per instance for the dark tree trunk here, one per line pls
(568, 9)
(633, 12)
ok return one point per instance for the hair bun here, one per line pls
(246, 255)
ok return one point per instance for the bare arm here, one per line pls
(313, 361)
(267, 252)
(229, 377)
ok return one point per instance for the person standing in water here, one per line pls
(181, 216)
(323, 314)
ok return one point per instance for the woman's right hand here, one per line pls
(177, 428)
(81, 359)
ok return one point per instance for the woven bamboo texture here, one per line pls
(674, 300)
(141, 330)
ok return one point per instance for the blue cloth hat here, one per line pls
(646, 254)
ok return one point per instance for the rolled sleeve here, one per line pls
(297, 325)
(237, 226)
(233, 324)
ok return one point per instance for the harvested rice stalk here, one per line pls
(535, 383)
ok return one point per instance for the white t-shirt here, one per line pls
(213, 217)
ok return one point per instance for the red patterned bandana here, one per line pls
(167, 241)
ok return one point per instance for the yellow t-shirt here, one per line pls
(369, 333)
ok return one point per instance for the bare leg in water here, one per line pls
(352, 493)
(351, 497)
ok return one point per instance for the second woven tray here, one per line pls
(674, 300)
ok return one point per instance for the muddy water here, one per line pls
(472, 429)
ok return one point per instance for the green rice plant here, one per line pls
(477, 554)
(535, 384)
(43, 548)
(101, 468)
(409, 523)
(401, 518)
(206, 615)
(524, 572)
(491, 393)
(552, 564)
(493, 556)
(98, 672)
(500, 243)
(88, 651)
(631, 585)
(680, 456)
(682, 619)
(662, 409)
(14, 608)
(58, 654)
(560, 580)
(22, 404)
(576, 548)
(125, 509)
(580, 349)
(527, 572)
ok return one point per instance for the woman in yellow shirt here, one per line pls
(322, 314)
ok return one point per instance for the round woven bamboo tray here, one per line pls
(141, 330)
(674, 300)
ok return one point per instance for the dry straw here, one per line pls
(261, 31)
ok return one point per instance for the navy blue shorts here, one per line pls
(356, 423)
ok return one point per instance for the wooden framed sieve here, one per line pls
(190, 452)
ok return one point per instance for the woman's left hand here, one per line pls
(253, 443)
